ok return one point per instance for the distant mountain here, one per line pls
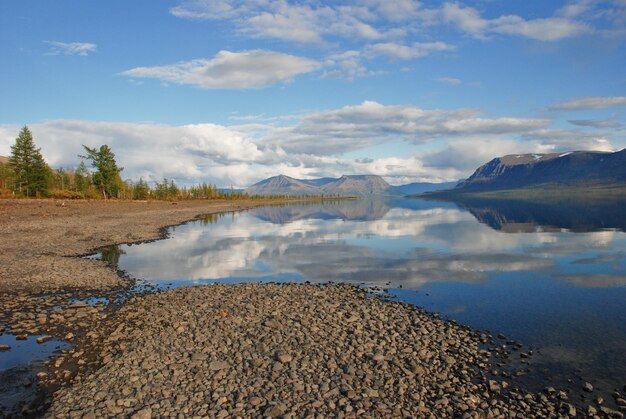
(353, 185)
(358, 185)
(568, 170)
(421, 187)
(4, 160)
(318, 182)
(283, 185)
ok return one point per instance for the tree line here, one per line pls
(26, 174)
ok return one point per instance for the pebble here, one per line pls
(288, 350)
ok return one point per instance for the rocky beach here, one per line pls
(245, 350)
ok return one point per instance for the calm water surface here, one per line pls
(551, 275)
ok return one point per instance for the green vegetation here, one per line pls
(26, 174)
(29, 174)
(106, 178)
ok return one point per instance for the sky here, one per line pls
(234, 91)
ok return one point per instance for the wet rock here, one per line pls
(494, 386)
(611, 413)
(4, 348)
(587, 387)
(43, 339)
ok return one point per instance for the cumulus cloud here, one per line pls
(313, 144)
(378, 21)
(302, 22)
(593, 102)
(354, 127)
(467, 154)
(470, 21)
(548, 29)
(71, 48)
(231, 70)
(406, 52)
(188, 153)
(558, 140)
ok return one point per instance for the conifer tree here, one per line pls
(80, 178)
(31, 174)
(107, 175)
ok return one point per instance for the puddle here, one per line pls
(24, 352)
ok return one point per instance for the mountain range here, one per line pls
(347, 185)
(577, 169)
(355, 185)
(4, 160)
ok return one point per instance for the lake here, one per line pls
(551, 275)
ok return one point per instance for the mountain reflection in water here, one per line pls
(558, 284)
(522, 216)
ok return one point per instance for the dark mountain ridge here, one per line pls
(572, 169)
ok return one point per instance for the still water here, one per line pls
(550, 275)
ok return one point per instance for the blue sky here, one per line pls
(233, 91)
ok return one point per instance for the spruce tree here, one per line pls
(80, 178)
(31, 174)
(107, 175)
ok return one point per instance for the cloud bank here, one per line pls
(436, 144)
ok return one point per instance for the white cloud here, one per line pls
(558, 140)
(467, 154)
(452, 81)
(594, 102)
(188, 153)
(71, 48)
(325, 23)
(231, 70)
(470, 21)
(304, 22)
(346, 64)
(595, 124)
(313, 144)
(466, 19)
(548, 29)
(354, 127)
(406, 52)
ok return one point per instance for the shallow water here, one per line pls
(23, 352)
(551, 275)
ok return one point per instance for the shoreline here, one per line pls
(90, 342)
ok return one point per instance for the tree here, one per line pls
(107, 175)
(62, 180)
(141, 190)
(5, 175)
(32, 176)
(81, 179)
